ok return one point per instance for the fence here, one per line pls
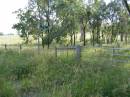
(56, 50)
(117, 54)
(19, 47)
(76, 49)
(120, 55)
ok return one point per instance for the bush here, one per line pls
(7, 89)
(47, 76)
(22, 71)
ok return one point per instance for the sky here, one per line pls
(7, 18)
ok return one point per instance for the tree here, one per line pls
(53, 20)
(96, 20)
(26, 25)
(126, 5)
(67, 13)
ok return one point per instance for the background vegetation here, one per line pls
(32, 75)
(61, 22)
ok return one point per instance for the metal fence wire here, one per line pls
(119, 55)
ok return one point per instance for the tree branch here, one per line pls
(126, 5)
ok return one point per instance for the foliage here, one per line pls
(6, 89)
(44, 75)
(57, 19)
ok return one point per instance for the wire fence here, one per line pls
(77, 52)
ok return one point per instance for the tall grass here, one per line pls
(28, 74)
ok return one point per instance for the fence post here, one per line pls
(20, 48)
(5, 46)
(113, 52)
(78, 52)
(67, 52)
(56, 52)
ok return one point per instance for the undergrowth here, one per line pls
(28, 74)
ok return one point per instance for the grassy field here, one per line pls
(29, 74)
(15, 39)
(10, 39)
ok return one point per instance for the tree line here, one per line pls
(62, 20)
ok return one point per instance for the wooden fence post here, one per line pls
(56, 52)
(20, 48)
(78, 52)
(67, 52)
(5, 46)
(113, 52)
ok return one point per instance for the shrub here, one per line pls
(7, 89)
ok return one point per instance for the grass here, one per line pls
(14, 40)
(10, 39)
(43, 75)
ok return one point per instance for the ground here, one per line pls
(30, 74)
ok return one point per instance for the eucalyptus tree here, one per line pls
(124, 14)
(56, 19)
(44, 11)
(126, 5)
(66, 12)
(123, 24)
(26, 25)
(113, 9)
(49, 24)
(98, 15)
(84, 17)
(118, 20)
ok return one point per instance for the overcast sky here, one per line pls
(7, 19)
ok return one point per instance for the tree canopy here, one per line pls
(55, 20)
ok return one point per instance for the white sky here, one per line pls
(7, 18)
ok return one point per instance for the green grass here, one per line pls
(14, 40)
(43, 75)
(10, 39)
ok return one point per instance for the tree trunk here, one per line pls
(74, 38)
(83, 28)
(43, 41)
(126, 38)
(112, 31)
(98, 36)
(48, 30)
(71, 40)
(112, 35)
(48, 22)
(84, 40)
(93, 38)
(27, 39)
(121, 36)
(127, 5)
